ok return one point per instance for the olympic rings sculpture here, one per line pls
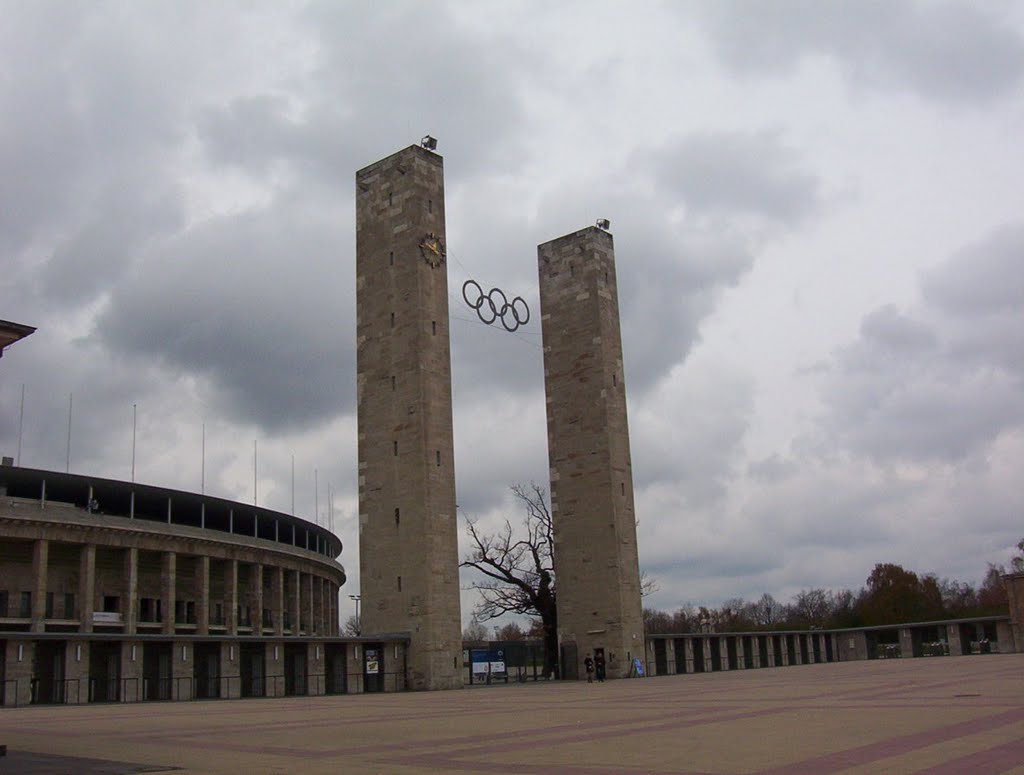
(494, 305)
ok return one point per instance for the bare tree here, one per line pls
(517, 568)
(648, 586)
(351, 626)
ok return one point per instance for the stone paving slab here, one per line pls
(936, 715)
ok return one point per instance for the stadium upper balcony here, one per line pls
(159, 504)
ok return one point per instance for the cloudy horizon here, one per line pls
(819, 249)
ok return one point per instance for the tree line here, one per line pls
(891, 595)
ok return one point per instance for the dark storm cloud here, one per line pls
(254, 303)
(942, 389)
(956, 52)
(736, 173)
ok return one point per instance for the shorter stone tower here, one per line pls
(596, 566)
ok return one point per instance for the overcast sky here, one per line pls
(818, 230)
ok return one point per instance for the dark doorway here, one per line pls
(680, 644)
(336, 664)
(829, 656)
(716, 654)
(570, 669)
(104, 671)
(48, 672)
(373, 667)
(791, 648)
(804, 659)
(156, 671)
(206, 670)
(661, 656)
(762, 650)
(251, 669)
(777, 650)
(295, 679)
(730, 653)
(748, 652)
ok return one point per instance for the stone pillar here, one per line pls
(230, 671)
(131, 591)
(1014, 583)
(296, 602)
(256, 598)
(203, 603)
(354, 667)
(18, 668)
(278, 601)
(40, 562)
(86, 587)
(741, 652)
(76, 672)
(231, 595)
(181, 670)
(131, 671)
(168, 588)
(316, 667)
(311, 623)
(325, 595)
(906, 643)
(275, 668)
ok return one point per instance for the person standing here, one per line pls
(599, 665)
(588, 664)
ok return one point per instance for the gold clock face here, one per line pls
(432, 250)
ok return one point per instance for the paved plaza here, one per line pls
(938, 715)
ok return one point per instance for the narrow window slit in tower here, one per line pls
(622, 486)
(392, 319)
(399, 583)
(615, 380)
(391, 258)
(392, 381)
(433, 327)
(430, 205)
(394, 448)
(398, 515)
(391, 200)
(438, 453)
(572, 271)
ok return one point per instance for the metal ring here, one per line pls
(488, 309)
(479, 294)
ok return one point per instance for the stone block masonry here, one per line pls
(592, 509)
(408, 536)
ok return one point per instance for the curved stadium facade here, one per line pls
(116, 591)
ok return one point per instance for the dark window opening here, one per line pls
(392, 319)
(49, 605)
(622, 486)
(398, 516)
(392, 381)
(111, 604)
(572, 271)
(69, 605)
(438, 454)
(391, 199)
(391, 258)
(615, 380)
(3, 603)
(433, 327)
(394, 448)
(430, 205)
(25, 609)
(399, 583)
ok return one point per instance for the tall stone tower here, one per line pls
(596, 566)
(408, 537)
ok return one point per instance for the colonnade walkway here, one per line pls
(950, 715)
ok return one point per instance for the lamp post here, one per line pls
(359, 625)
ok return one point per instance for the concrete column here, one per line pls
(231, 597)
(256, 598)
(86, 587)
(295, 604)
(741, 653)
(316, 662)
(278, 598)
(131, 590)
(203, 603)
(230, 672)
(181, 670)
(40, 561)
(906, 643)
(688, 655)
(18, 668)
(131, 671)
(354, 668)
(324, 617)
(275, 668)
(76, 672)
(311, 627)
(168, 584)
(670, 656)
